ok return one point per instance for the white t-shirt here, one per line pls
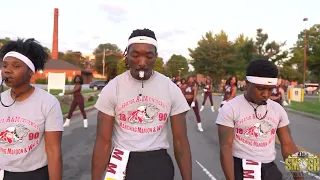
(254, 139)
(22, 127)
(141, 121)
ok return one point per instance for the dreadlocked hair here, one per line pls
(140, 32)
(262, 68)
(30, 48)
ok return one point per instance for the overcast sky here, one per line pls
(178, 24)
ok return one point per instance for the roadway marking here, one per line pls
(206, 171)
(307, 172)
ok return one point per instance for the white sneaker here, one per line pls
(212, 108)
(67, 123)
(85, 123)
(200, 127)
(201, 109)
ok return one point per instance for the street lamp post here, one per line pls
(180, 71)
(103, 61)
(305, 52)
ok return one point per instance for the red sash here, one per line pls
(251, 170)
(117, 166)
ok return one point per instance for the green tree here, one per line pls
(290, 73)
(111, 64)
(212, 55)
(61, 55)
(313, 51)
(270, 50)
(48, 51)
(68, 56)
(177, 64)
(296, 62)
(158, 66)
(121, 66)
(4, 41)
(73, 57)
(113, 54)
(244, 51)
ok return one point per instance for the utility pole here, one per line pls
(103, 61)
(305, 52)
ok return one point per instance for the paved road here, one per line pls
(311, 97)
(308, 97)
(78, 145)
(44, 86)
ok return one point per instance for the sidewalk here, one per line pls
(316, 117)
(303, 113)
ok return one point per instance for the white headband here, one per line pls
(262, 80)
(22, 58)
(143, 39)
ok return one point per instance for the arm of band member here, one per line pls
(195, 93)
(102, 146)
(288, 147)
(181, 145)
(233, 93)
(210, 88)
(53, 150)
(282, 94)
(77, 88)
(226, 158)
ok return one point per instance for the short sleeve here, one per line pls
(106, 102)
(54, 117)
(284, 120)
(179, 103)
(226, 116)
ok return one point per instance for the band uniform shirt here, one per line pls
(254, 139)
(141, 122)
(228, 91)
(22, 128)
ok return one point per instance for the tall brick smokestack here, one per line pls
(55, 50)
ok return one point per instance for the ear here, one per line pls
(247, 84)
(30, 73)
(126, 61)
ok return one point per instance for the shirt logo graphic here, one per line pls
(13, 134)
(144, 114)
(189, 89)
(259, 130)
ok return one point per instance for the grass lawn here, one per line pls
(57, 91)
(65, 109)
(312, 107)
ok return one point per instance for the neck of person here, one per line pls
(248, 98)
(23, 91)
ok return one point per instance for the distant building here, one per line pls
(55, 65)
(60, 66)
